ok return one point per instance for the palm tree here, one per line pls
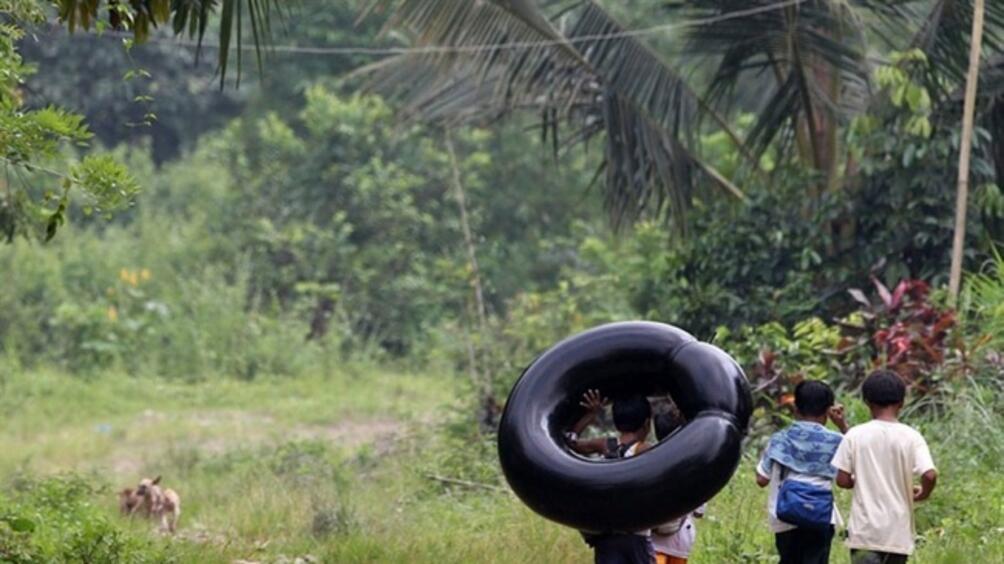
(237, 19)
(803, 67)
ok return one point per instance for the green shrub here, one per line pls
(776, 359)
(983, 303)
(156, 305)
(53, 520)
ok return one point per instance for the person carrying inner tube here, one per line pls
(632, 419)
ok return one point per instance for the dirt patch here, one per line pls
(352, 434)
(216, 418)
(308, 559)
(151, 435)
(199, 534)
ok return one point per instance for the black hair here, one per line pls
(631, 413)
(666, 423)
(883, 388)
(813, 398)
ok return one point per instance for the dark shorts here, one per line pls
(876, 557)
(804, 546)
(621, 549)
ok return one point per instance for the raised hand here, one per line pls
(838, 417)
(593, 401)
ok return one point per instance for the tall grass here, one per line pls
(280, 468)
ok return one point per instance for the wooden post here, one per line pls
(965, 153)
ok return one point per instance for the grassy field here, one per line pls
(346, 468)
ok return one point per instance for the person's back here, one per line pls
(883, 455)
(879, 460)
(632, 418)
(802, 453)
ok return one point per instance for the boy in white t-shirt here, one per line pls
(879, 461)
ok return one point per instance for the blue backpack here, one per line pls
(804, 505)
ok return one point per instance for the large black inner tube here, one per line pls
(665, 482)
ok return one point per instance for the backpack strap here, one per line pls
(615, 449)
(623, 449)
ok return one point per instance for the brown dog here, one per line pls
(158, 503)
(128, 501)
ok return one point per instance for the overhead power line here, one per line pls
(447, 49)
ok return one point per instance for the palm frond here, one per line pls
(425, 93)
(587, 75)
(813, 51)
(992, 118)
(646, 167)
(776, 116)
(191, 17)
(634, 72)
(944, 36)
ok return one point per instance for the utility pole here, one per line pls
(965, 153)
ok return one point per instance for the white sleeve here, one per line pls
(843, 459)
(922, 461)
(765, 466)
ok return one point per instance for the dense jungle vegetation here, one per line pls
(303, 300)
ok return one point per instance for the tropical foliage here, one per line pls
(804, 68)
(39, 184)
(189, 18)
(324, 295)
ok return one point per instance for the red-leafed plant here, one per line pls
(903, 329)
(777, 358)
(906, 331)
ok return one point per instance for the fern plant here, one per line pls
(984, 303)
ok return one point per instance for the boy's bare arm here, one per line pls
(928, 480)
(761, 480)
(588, 446)
(845, 480)
(594, 403)
(839, 418)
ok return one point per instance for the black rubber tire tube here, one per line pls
(621, 359)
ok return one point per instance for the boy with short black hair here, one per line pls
(879, 460)
(632, 419)
(802, 453)
(665, 424)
